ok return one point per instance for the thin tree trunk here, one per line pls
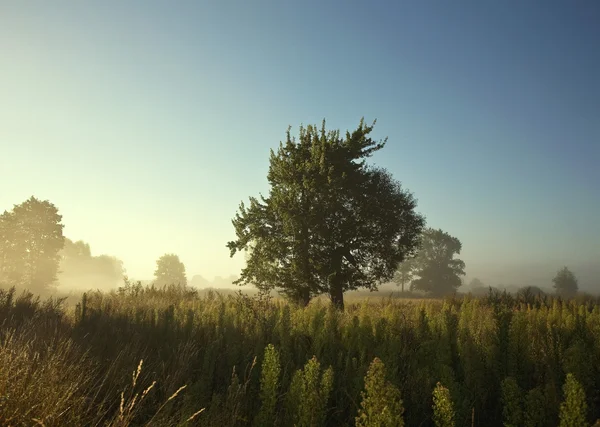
(336, 290)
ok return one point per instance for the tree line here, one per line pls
(35, 255)
(331, 223)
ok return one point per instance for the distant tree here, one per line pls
(476, 283)
(534, 290)
(330, 222)
(565, 283)
(528, 294)
(31, 236)
(170, 271)
(437, 270)
(404, 274)
(79, 268)
(75, 250)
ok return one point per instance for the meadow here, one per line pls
(172, 357)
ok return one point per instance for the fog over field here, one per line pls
(79, 275)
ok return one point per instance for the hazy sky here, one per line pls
(147, 122)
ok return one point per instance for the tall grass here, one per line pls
(170, 357)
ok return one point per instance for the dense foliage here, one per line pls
(31, 237)
(498, 360)
(331, 223)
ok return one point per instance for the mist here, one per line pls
(80, 270)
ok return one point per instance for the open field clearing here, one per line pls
(169, 357)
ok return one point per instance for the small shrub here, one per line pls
(381, 405)
(443, 411)
(573, 408)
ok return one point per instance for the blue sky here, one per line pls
(147, 122)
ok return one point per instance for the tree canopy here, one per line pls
(437, 271)
(565, 283)
(476, 283)
(331, 223)
(170, 271)
(31, 236)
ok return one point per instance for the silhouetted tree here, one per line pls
(528, 294)
(437, 270)
(565, 283)
(79, 268)
(170, 271)
(330, 223)
(31, 236)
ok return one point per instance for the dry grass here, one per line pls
(42, 380)
(47, 379)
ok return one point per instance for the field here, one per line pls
(170, 357)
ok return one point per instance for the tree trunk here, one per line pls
(337, 295)
(336, 290)
(303, 297)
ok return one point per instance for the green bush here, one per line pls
(573, 408)
(443, 411)
(269, 385)
(381, 405)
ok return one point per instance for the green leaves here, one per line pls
(330, 223)
(269, 385)
(443, 411)
(381, 405)
(309, 394)
(512, 402)
(573, 409)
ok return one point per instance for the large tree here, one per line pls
(330, 223)
(565, 283)
(31, 236)
(437, 271)
(170, 271)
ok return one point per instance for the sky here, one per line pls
(147, 122)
